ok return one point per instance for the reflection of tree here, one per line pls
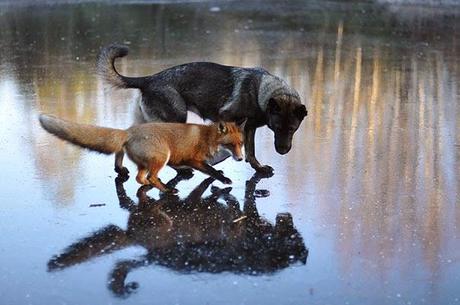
(194, 234)
(389, 134)
(165, 31)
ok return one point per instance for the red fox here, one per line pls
(151, 146)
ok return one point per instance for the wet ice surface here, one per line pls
(370, 186)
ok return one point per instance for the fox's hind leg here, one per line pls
(141, 176)
(119, 168)
(154, 168)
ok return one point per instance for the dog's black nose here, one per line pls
(283, 149)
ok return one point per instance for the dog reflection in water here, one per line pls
(195, 234)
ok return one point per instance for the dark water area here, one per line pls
(363, 210)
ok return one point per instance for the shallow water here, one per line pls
(371, 183)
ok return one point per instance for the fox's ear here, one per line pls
(241, 124)
(222, 128)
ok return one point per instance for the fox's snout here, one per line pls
(238, 153)
(238, 158)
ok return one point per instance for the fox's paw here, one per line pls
(226, 180)
(171, 191)
(121, 178)
(122, 171)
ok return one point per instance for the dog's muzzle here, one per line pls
(282, 149)
(283, 143)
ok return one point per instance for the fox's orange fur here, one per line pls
(151, 146)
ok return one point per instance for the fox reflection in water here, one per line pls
(195, 234)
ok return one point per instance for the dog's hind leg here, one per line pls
(163, 105)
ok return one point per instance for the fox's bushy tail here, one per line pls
(106, 67)
(100, 139)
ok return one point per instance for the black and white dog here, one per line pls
(214, 92)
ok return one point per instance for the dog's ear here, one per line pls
(222, 128)
(273, 107)
(242, 123)
(301, 111)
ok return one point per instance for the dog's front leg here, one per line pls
(249, 146)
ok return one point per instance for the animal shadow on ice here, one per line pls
(195, 234)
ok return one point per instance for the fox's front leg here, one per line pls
(211, 171)
(122, 171)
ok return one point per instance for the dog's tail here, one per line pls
(106, 67)
(100, 139)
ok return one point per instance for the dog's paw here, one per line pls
(261, 193)
(265, 170)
